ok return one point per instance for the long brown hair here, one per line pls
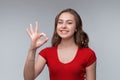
(80, 37)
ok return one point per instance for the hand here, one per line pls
(35, 37)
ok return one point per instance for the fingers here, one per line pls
(44, 35)
(28, 32)
(45, 38)
(36, 29)
(35, 32)
(31, 29)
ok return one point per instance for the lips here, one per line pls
(64, 31)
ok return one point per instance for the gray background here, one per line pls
(101, 20)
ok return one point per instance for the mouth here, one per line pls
(64, 31)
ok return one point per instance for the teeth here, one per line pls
(63, 31)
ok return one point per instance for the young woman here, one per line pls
(69, 58)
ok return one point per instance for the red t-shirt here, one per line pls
(74, 70)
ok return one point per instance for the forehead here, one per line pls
(66, 16)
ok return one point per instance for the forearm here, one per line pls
(36, 42)
(29, 70)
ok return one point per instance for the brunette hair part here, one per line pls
(81, 38)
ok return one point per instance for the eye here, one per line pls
(69, 22)
(60, 22)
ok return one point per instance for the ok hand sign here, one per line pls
(36, 37)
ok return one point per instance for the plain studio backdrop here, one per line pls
(101, 20)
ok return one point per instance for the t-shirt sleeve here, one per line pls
(91, 58)
(43, 53)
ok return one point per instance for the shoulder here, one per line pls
(48, 49)
(46, 52)
(87, 50)
(88, 55)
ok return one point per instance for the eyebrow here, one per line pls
(66, 20)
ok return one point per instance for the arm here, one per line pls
(32, 68)
(91, 72)
(29, 66)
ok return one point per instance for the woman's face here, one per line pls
(66, 25)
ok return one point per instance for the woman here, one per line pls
(69, 58)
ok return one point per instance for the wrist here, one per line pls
(32, 50)
(32, 47)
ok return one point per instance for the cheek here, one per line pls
(73, 29)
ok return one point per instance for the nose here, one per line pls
(64, 25)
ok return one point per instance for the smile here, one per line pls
(64, 31)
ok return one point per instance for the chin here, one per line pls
(66, 37)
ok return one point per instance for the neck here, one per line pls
(65, 43)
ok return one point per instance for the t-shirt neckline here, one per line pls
(73, 60)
